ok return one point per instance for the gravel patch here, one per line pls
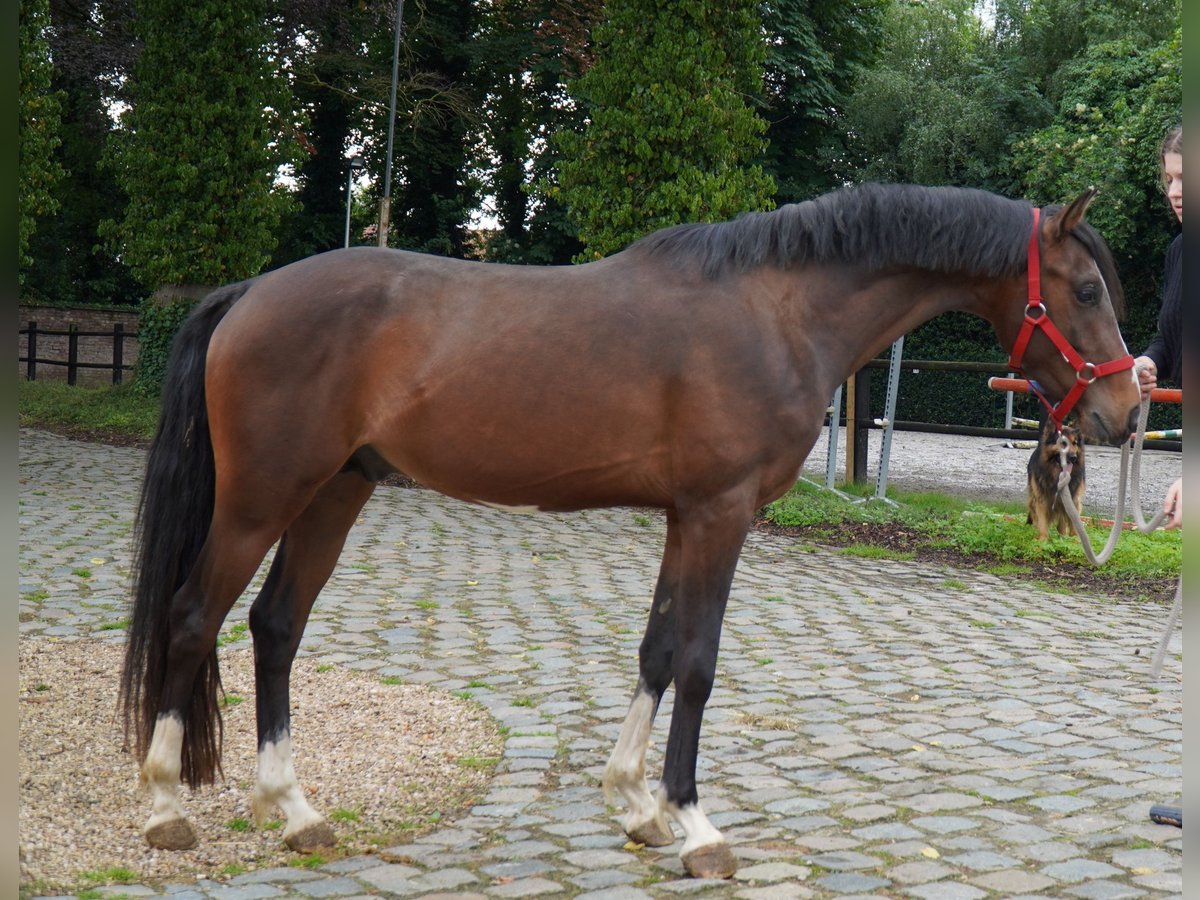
(380, 760)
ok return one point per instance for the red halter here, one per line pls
(1036, 317)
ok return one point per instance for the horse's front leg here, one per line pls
(711, 540)
(646, 823)
(303, 563)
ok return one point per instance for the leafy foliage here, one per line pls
(161, 316)
(670, 136)
(959, 110)
(69, 266)
(333, 84)
(39, 110)
(816, 52)
(433, 186)
(200, 146)
(526, 53)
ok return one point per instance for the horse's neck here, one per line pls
(851, 323)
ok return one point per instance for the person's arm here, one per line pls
(1173, 504)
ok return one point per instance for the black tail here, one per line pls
(173, 518)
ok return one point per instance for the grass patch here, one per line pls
(114, 875)
(478, 762)
(119, 625)
(392, 679)
(99, 411)
(236, 633)
(871, 551)
(239, 825)
(989, 537)
(229, 700)
(523, 701)
(312, 861)
(346, 815)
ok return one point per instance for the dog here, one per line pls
(1045, 465)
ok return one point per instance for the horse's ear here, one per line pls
(1068, 219)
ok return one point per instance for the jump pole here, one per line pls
(1021, 386)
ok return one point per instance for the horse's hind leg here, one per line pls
(306, 557)
(228, 560)
(625, 773)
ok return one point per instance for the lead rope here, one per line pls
(1096, 559)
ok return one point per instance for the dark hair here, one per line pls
(875, 225)
(945, 229)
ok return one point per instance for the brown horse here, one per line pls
(689, 372)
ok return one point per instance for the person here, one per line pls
(1164, 357)
(1173, 505)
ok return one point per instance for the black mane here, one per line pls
(876, 226)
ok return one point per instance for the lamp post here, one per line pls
(385, 204)
(356, 165)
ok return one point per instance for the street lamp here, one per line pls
(356, 165)
(385, 204)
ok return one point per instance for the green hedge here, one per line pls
(161, 316)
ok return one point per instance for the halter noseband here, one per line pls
(1037, 317)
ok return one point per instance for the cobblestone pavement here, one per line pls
(878, 728)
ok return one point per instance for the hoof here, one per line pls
(713, 861)
(175, 834)
(653, 833)
(318, 836)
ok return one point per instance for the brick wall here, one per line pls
(91, 349)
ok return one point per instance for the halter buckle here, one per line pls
(1091, 370)
(1039, 307)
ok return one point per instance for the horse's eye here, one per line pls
(1087, 294)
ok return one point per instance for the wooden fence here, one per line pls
(74, 363)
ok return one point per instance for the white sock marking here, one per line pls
(161, 770)
(277, 785)
(698, 831)
(626, 769)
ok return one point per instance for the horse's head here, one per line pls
(1068, 342)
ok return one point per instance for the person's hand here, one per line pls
(1173, 505)
(1147, 375)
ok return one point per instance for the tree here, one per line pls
(69, 263)
(39, 122)
(1116, 103)
(434, 188)
(526, 53)
(334, 84)
(939, 107)
(816, 51)
(201, 145)
(671, 135)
